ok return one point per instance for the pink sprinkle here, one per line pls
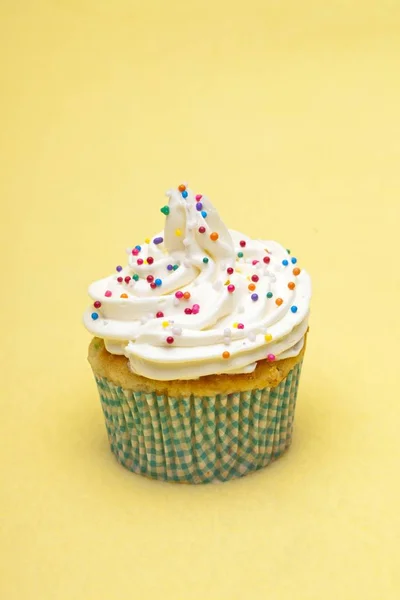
(240, 326)
(188, 311)
(271, 357)
(195, 308)
(231, 288)
(179, 295)
(135, 252)
(140, 261)
(254, 262)
(198, 196)
(108, 293)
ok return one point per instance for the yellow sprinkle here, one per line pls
(238, 270)
(227, 282)
(165, 323)
(145, 261)
(248, 277)
(147, 241)
(268, 337)
(178, 232)
(235, 325)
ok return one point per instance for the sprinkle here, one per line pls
(254, 297)
(251, 287)
(139, 261)
(214, 236)
(285, 262)
(119, 268)
(188, 311)
(227, 341)
(255, 278)
(231, 288)
(94, 316)
(198, 196)
(235, 325)
(160, 314)
(269, 295)
(203, 214)
(178, 232)
(229, 270)
(195, 308)
(278, 301)
(291, 285)
(242, 243)
(147, 241)
(254, 262)
(294, 260)
(267, 260)
(158, 282)
(202, 229)
(293, 309)
(177, 330)
(135, 277)
(158, 240)
(271, 357)
(252, 336)
(176, 301)
(296, 271)
(175, 267)
(186, 242)
(184, 194)
(268, 337)
(97, 304)
(135, 251)
(170, 339)
(205, 260)
(165, 210)
(150, 260)
(153, 285)
(150, 278)
(287, 250)
(227, 332)
(227, 282)
(179, 294)
(240, 254)
(119, 279)
(170, 267)
(123, 295)
(199, 206)
(186, 295)
(226, 354)
(240, 326)
(165, 324)
(127, 279)
(182, 187)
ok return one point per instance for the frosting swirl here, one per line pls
(199, 299)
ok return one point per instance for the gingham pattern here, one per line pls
(199, 439)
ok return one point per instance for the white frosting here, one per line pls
(129, 326)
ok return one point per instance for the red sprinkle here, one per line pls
(254, 262)
(255, 278)
(139, 261)
(188, 311)
(153, 285)
(119, 279)
(159, 314)
(266, 259)
(135, 252)
(97, 304)
(242, 243)
(170, 339)
(229, 270)
(150, 278)
(127, 279)
(150, 260)
(202, 229)
(240, 326)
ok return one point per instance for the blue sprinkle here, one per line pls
(138, 248)
(199, 206)
(203, 214)
(254, 297)
(95, 316)
(184, 194)
(293, 309)
(170, 267)
(158, 240)
(119, 268)
(294, 260)
(285, 263)
(158, 282)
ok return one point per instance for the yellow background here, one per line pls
(287, 114)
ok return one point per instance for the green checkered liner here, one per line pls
(199, 439)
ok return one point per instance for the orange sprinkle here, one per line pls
(123, 295)
(291, 285)
(182, 187)
(251, 287)
(279, 301)
(214, 236)
(296, 271)
(226, 354)
(186, 295)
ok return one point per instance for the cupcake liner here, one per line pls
(199, 439)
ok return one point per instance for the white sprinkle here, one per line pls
(177, 330)
(227, 341)
(176, 301)
(168, 193)
(186, 242)
(227, 332)
(128, 250)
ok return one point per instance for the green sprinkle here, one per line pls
(240, 254)
(165, 210)
(205, 260)
(287, 250)
(135, 277)
(175, 267)
(269, 295)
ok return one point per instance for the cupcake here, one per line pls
(198, 346)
